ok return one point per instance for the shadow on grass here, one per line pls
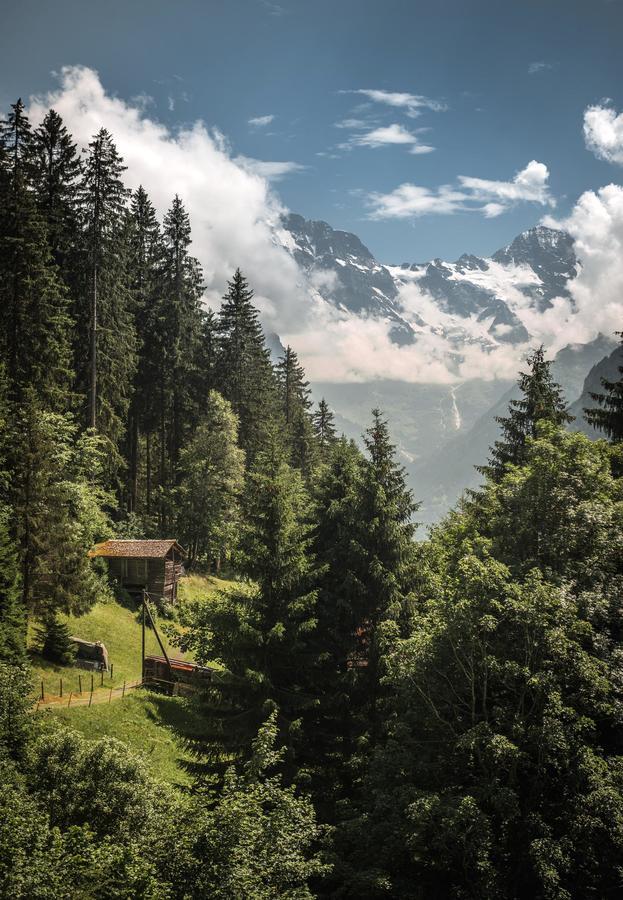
(191, 724)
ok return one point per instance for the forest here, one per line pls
(393, 717)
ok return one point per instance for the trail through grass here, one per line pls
(119, 628)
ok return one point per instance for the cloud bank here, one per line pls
(491, 198)
(603, 133)
(230, 202)
(235, 219)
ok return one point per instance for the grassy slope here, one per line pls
(120, 630)
(146, 722)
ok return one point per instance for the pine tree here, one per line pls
(57, 501)
(55, 641)
(106, 348)
(294, 398)
(332, 727)
(12, 616)
(261, 633)
(145, 261)
(212, 470)
(609, 418)
(34, 323)
(183, 320)
(542, 400)
(324, 429)
(57, 168)
(388, 529)
(243, 372)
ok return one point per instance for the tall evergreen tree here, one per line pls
(609, 417)
(294, 398)
(12, 615)
(57, 169)
(33, 304)
(261, 632)
(212, 471)
(106, 337)
(182, 321)
(244, 374)
(145, 261)
(541, 399)
(324, 429)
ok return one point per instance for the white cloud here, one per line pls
(231, 207)
(535, 67)
(261, 121)
(596, 306)
(603, 133)
(491, 198)
(271, 170)
(386, 136)
(412, 104)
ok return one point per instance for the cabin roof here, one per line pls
(136, 549)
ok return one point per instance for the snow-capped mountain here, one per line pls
(442, 430)
(475, 298)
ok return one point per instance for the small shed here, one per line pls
(154, 566)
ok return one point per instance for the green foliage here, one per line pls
(243, 373)
(495, 778)
(294, 400)
(260, 837)
(211, 480)
(541, 400)
(608, 416)
(55, 642)
(12, 614)
(58, 500)
(260, 634)
(324, 429)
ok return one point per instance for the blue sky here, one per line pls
(507, 82)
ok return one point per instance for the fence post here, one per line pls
(123, 691)
(80, 684)
(61, 693)
(110, 695)
(69, 701)
(42, 694)
(90, 698)
(91, 682)
(111, 665)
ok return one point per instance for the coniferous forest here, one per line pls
(390, 716)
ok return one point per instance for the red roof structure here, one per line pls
(119, 549)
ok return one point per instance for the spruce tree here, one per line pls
(210, 484)
(57, 168)
(387, 533)
(12, 616)
(294, 399)
(332, 726)
(324, 429)
(106, 338)
(243, 371)
(182, 320)
(542, 399)
(145, 261)
(34, 323)
(261, 632)
(55, 641)
(609, 418)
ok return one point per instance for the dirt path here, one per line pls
(87, 698)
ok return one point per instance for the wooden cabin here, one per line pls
(154, 566)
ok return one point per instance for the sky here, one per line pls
(429, 129)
